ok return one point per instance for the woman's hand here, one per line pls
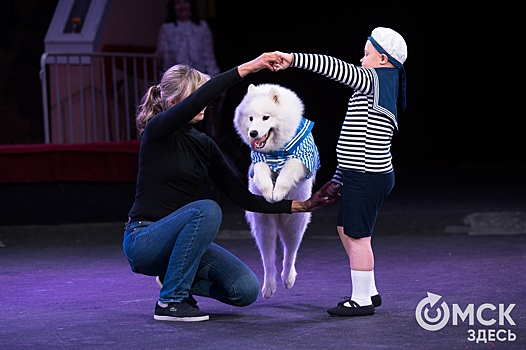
(267, 60)
(327, 194)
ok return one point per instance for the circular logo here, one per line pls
(428, 322)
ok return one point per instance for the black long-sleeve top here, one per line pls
(175, 160)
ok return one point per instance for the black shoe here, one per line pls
(184, 311)
(190, 298)
(191, 301)
(353, 310)
(375, 299)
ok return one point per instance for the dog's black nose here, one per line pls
(253, 133)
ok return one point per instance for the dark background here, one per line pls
(464, 81)
(461, 99)
(463, 71)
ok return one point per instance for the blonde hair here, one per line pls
(177, 82)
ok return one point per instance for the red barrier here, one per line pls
(96, 161)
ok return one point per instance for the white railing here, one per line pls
(89, 97)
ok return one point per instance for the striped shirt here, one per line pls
(365, 137)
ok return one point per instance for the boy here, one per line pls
(363, 151)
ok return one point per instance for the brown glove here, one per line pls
(327, 194)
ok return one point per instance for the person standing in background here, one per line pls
(186, 39)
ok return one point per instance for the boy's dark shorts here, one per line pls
(362, 196)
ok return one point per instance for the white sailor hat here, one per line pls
(392, 43)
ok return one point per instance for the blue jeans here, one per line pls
(179, 248)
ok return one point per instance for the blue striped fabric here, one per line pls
(301, 147)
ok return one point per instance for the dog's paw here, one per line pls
(268, 290)
(288, 281)
(268, 196)
(279, 194)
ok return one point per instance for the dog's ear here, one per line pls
(251, 87)
(274, 95)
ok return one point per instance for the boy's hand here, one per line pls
(286, 60)
(327, 194)
(333, 189)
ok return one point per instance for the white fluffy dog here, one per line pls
(285, 159)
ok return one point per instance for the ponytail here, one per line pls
(151, 104)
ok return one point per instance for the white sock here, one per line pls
(162, 304)
(361, 282)
(372, 287)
